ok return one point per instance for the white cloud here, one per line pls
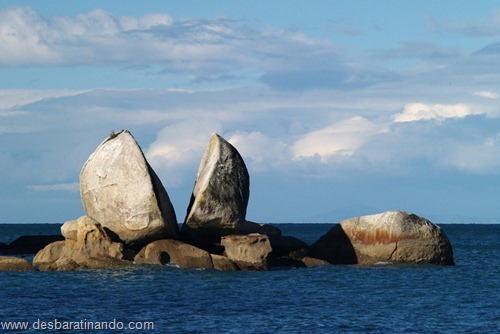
(439, 112)
(488, 94)
(20, 39)
(263, 153)
(73, 187)
(180, 145)
(342, 138)
(10, 98)
(477, 158)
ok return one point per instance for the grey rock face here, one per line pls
(393, 236)
(122, 192)
(220, 196)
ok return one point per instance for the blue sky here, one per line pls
(339, 108)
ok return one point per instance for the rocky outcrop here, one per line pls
(174, 252)
(11, 263)
(393, 236)
(219, 200)
(249, 252)
(92, 249)
(120, 190)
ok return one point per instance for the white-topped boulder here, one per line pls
(120, 190)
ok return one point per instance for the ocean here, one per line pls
(336, 299)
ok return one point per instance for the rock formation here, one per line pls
(174, 252)
(11, 263)
(92, 249)
(393, 236)
(249, 252)
(220, 197)
(122, 192)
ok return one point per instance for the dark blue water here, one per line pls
(336, 299)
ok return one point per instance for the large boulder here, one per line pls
(11, 263)
(174, 252)
(92, 249)
(120, 190)
(249, 252)
(219, 200)
(393, 236)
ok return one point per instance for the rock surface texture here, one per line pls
(122, 192)
(393, 236)
(174, 252)
(249, 252)
(92, 249)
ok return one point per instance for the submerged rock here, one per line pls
(393, 236)
(11, 263)
(92, 249)
(120, 190)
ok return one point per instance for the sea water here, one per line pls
(383, 298)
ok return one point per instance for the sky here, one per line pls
(339, 108)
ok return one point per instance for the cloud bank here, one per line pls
(308, 115)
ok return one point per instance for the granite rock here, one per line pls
(393, 236)
(120, 190)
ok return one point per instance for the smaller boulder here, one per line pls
(11, 263)
(69, 230)
(269, 230)
(311, 262)
(174, 252)
(249, 252)
(47, 256)
(223, 263)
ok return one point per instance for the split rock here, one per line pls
(220, 196)
(120, 190)
(393, 236)
(219, 200)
